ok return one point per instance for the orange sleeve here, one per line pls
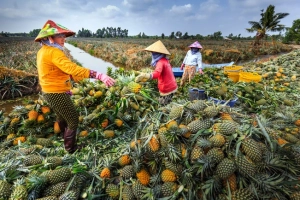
(60, 60)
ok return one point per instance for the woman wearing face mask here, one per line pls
(167, 85)
(192, 60)
(55, 70)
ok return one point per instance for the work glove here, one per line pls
(182, 66)
(108, 81)
(200, 71)
(143, 77)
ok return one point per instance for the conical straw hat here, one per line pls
(51, 28)
(158, 47)
(196, 45)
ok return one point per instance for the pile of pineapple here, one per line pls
(137, 149)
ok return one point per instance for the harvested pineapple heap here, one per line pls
(137, 149)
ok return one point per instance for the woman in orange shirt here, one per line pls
(55, 70)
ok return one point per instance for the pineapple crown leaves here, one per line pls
(107, 161)
(35, 181)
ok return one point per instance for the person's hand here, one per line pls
(143, 77)
(182, 66)
(108, 81)
(200, 71)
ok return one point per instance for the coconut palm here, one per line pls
(269, 22)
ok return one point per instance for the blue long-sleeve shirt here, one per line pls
(193, 60)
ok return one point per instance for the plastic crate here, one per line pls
(233, 72)
(197, 94)
(249, 77)
(231, 103)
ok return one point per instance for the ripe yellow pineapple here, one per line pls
(40, 119)
(32, 115)
(124, 160)
(168, 176)
(143, 176)
(105, 173)
(118, 122)
(83, 133)
(232, 182)
(45, 109)
(108, 133)
(217, 140)
(134, 87)
(154, 143)
(104, 123)
(56, 128)
(14, 121)
(21, 139)
(11, 136)
(98, 94)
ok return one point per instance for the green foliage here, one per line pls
(293, 33)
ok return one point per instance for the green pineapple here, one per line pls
(196, 105)
(225, 168)
(211, 111)
(33, 159)
(242, 194)
(169, 188)
(226, 128)
(55, 161)
(176, 112)
(217, 140)
(56, 189)
(48, 198)
(197, 125)
(27, 151)
(290, 138)
(127, 172)
(162, 134)
(69, 195)
(5, 189)
(45, 142)
(137, 189)
(216, 155)
(59, 175)
(245, 166)
(19, 191)
(112, 190)
(252, 149)
(127, 193)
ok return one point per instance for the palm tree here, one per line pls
(269, 22)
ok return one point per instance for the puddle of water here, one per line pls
(89, 61)
(8, 105)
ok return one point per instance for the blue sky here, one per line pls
(153, 17)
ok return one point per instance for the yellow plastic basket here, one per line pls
(233, 72)
(249, 77)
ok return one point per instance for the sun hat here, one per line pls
(158, 47)
(196, 45)
(51, 28)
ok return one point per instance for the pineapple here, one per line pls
(196, 153)
(32, 115)
(290, 138)
(216, 155)
(112, 190)
(19, 191)
(172, 125)
(184, 131)
(83, 133)
(143, 176)
(134, 87)
(174, 167)
(134, 106)
(197, 125)
(106, 162)
(162, 132)
(225, 168)
(196, 105)
(55, 161)
(32, 160)
(211, 111)
(119, 122)
(226, 116)
(5, 189)
(252, 149)
(19, 139)
(242, 194)
(56, 128)
(59, 175)
(217, 140)
(27, 151)
(14, 121)
(35, 184)
(48, 198)
(105, 173)
(176, 112)
(137, 189)
(104, 123)
(225, 128)
(127, 172)
(169, 188)
(55, 189)
(168, 176)
(69, 195)
(154, 143)
(295, 196)
(109, 133)
(231, 180)
(40, 119)
(245, 166)
(45, 142)
(124, 160)
(127, 193)
(45, 109)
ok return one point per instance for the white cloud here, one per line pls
(210, 6)
(181, 9)
(108, 12)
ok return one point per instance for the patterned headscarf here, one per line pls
(49, 42)
(156, 57)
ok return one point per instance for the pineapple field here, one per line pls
(135, 148)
